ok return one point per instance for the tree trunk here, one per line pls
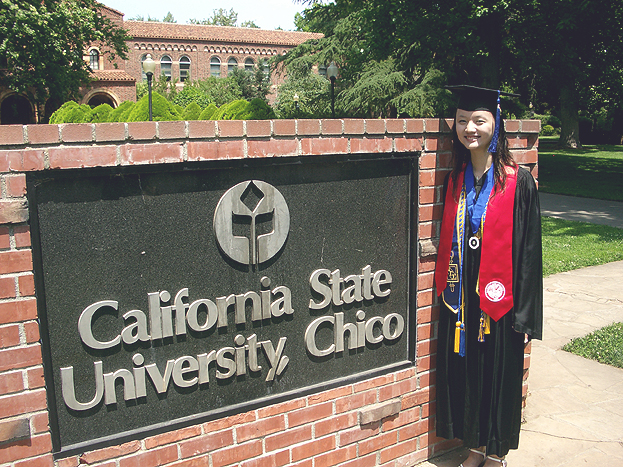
(569, 116)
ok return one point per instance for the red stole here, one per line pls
(495, 285)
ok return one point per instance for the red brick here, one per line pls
(305, 463)
(16, 186)
(415, 125)
(518, 142)
(331, 127)
(530, 126)
(425, 281)
(445, 160)
(39, 423)
(35, 378)
(511, 126)
(105, 132)
(31, 329)
(138, 131)
(7, 287)
(21, 161)
(531, 156)
(23, 403)
(399, 450)
(211, 150)
(171, 130)
(405, 374)
(426, 230)
(231, 128)
(12, 134)
(172, 437)
(280, 408)
(405, 417)
(332, 425)
(26, 285)
(258, 128)
(23, 449)
(22, 236)
(11, 382)
(201, 129)
(76, 132)
(310, 414)
(236, 453)
(202, 444)
(428, 347)
(425, 298)
(355, 401)
(15, 261)
(284, 127)
(308, 127)
(425, 363)
(359, 433)
(151, 458)
(260, 428)
(408, 144)
(353, 126)
(42, 461)
(69, 462)
(533, 141)
(288, 438)
(427, 195)
(112, 452)
(446, 125)
(22, 357)
(276, 459)
(13, 211)
(16, 311)
(375, 127)
(272, 148)
(5, 238)
(433, 125)
(371, 144)
(367, 461)
(374, 383)
(313, 449)
(200, 461)
(228, 422)
(329, 395)
(395, 125)
(43, 134)
(425, 331)
(9, 336)
(78, 157)
(397, 389)
(378, 442)
(321, 146)
(336, 456)
(156, 153)
(428, 161)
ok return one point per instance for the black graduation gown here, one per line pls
(479, 396)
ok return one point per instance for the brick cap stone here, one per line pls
(13, 212)
(377, 412)
(427, 248)
(14, 430)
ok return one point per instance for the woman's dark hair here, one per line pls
(501, 158)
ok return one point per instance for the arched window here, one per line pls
(232, 63)
(165, 67)
(94, 59)
(265, 67)
(215, 67)
(184, 68)
(248, 64)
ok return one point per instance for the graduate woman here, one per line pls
(489, 277)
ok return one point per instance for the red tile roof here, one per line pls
(112, 75)
(150, 30)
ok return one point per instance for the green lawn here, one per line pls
(590, 172)
(604, 345)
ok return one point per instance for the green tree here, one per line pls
(254, 84)
(42, 43)
(220, 17)
(249, 24)
(168, 18)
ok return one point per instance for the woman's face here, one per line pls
(475, 128)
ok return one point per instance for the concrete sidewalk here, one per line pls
(573, 208)
(574, 413)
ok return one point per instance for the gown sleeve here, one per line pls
(527, 259)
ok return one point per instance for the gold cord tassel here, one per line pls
(457, 337)
(485, 326)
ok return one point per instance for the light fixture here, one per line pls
(332, 71)
(149, 67)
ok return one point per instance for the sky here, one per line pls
(267, 14)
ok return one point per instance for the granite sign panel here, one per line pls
(173, 296)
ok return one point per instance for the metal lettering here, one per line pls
(400, 326)
(69, 392)
(319, 287)
(282, 305)
(338, 333)
(381, 277)
(129, 392)
(136, 331)
(227, 363)
(370, 337)
(85, 323)
(179, 370)
(276, 362)
(161, 382)
(193, 311)
(310, 337)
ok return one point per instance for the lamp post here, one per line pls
(149, 66)
(296, 104)
(332, 74)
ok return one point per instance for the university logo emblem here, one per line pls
(245, 207)
(495, 291)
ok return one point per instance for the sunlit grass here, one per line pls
(604, 345)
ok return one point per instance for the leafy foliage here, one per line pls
(232, 111)
(220, 17)
(253, 84)
(313, 92)
(100, 113)
(258, 109)
(162, 110)
(208, 112)
(42, 42)
(192, 111)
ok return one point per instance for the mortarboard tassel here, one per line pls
(496, 133)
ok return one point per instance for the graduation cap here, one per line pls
(472, 98)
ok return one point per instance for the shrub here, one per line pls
(233, 111)
(258, 109)
(208, 112)
(162, 110)
(192, 111)
(548, 130)
(100, 113)
(190, 94)
(71, 112)
(121, 112)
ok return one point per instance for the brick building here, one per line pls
(181, 51)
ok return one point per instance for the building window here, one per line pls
(215, 67)
(248, 64)
(184, 68)
(165, 67)
(232, 64)
(265, 67)
(94, 59)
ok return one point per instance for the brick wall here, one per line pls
(385, 421)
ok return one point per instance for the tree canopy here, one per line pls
(42, 43)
